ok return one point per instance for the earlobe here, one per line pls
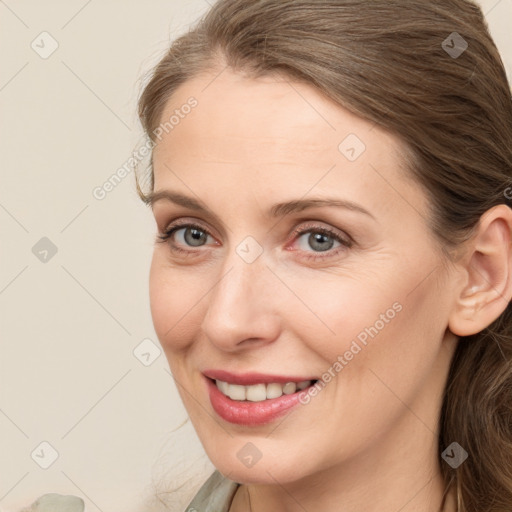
(487, 289)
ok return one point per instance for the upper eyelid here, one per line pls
(178, 223)
(174, 226)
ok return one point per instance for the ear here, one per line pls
(487, 285)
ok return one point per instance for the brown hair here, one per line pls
(400, 65)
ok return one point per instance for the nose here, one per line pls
(243, 306)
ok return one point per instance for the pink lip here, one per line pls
(248, 379)
(251, 413)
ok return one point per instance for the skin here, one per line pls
(368, 440)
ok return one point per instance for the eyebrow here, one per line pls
(277, 210)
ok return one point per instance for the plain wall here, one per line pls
(70, 321)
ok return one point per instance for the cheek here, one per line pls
(342, 309)
(393, 343)
(174, 300)
(382, 317)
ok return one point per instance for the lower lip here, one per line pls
(247, 412)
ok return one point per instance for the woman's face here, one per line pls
(260, 294)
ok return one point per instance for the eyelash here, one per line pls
(310, 228)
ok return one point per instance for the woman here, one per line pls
(332, 272)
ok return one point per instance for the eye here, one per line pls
(192, 235)
(321, 240)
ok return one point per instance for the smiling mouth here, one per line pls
(260, 392)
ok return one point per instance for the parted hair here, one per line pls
(405, 66)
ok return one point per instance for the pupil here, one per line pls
(195, 235)
(320, 239)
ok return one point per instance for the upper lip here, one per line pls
(251, 378)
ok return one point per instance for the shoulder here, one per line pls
(53, 502)
(215, 495)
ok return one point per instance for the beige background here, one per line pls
(69, 325)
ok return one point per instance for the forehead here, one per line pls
(270, 112)
(261, 134)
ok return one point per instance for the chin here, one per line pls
(264, 471)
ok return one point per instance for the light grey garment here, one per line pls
(215, 495)
(53, 502)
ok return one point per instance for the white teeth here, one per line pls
(223, 386)
(274, 390)
(260, 392)
(236, 392)
(256, 393)
(289, 388)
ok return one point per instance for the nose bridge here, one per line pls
(240, 303)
